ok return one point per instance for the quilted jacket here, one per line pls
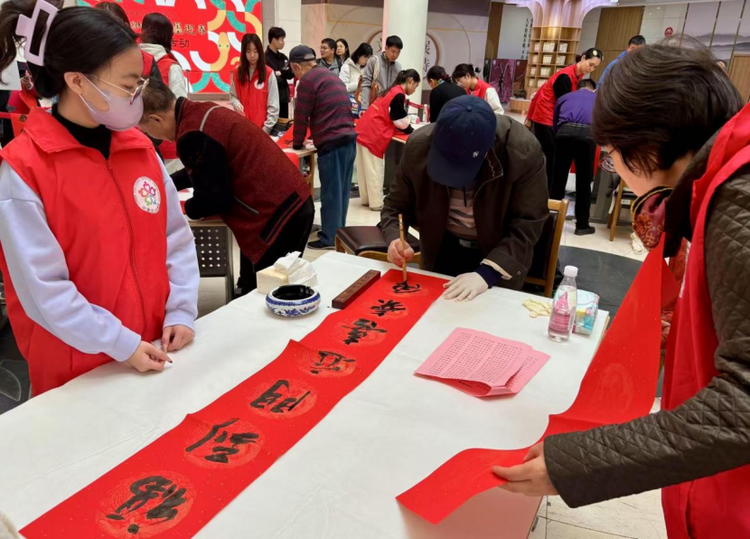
(709, 433)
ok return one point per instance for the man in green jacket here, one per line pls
(475, 186)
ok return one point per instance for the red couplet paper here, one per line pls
(177, 484)
(619, 386)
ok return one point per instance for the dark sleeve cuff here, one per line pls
(489, 274)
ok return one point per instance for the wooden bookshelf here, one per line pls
(561, 44)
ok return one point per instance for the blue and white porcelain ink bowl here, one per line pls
(293, 301)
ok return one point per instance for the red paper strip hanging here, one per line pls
(177, 484)
(619, 386)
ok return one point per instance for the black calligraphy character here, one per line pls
(330, 361)
(387, 307)
(361, 329)
(271, 396)
(405, 288)
(146, 490)
(222, 453)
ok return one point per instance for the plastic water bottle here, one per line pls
(564, 307)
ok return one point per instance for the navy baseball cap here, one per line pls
(301, 53)
(464, 133)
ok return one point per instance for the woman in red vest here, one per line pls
(465, 76)
(542, 107)
(236, 172)
(679, 137)
(375, 130)
(97, 259)
(254, 90)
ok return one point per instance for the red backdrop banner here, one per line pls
(207, 34)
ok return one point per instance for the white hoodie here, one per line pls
(177, 81)
(350, 75)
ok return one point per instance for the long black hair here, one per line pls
(462, 70)
(404, 76)
(438, 73)
(114, 9)
(260, 67)
(157, 29)
(346, 52)
(80, 39)
(364, 49)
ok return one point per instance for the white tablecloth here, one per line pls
(339, 481)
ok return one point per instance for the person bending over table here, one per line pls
(323, 104)
(474, 185)
(238, 173)
(669, 118)
(97, 257)
(443, 90)
(376, 130)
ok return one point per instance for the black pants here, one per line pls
(455, 259)
(284, 110)
(546, 137)
(293, 237)
(574, 143)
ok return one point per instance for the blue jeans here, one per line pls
(336, 168)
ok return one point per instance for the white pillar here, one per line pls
(408, 20)
(286, 14)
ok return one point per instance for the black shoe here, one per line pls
(585, 231)
(319, 246)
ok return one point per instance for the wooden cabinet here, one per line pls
(552, 48)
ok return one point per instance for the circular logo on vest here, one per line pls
(147, 194)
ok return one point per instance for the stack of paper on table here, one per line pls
(483, 365)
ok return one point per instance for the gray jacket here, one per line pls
(386, 76)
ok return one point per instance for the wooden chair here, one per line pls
(547, 250)
(614, 215)
(368, 242)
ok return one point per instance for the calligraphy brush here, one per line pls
(403, 244)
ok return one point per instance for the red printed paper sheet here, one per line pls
(177, 484)
(619, 386)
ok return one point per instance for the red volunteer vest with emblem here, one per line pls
(110, 219)
(481, 89)
(168, 149)
(542, 108)
(717, 506)
(376, 129)
(253, 96)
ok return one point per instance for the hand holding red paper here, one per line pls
(148, 357)
(397, 253)
(531, 477)
(176, 338)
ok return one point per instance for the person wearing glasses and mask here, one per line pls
(97, 258)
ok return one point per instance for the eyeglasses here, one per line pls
(133, 95)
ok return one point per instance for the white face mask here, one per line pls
(123, 113)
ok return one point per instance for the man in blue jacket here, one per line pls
(635, 43)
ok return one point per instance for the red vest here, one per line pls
(263, 178)
(714, 506)
(481, 89)
(109, 218)
(168, 149)
(253, 96)
(376, 129)
(542, 109)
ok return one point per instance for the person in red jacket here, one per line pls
(97, 259)
(542, 107)
(238, 173)
(376, 129)
(254, 90)
(680, 138)
(466, 77)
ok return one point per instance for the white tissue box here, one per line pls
(270, 279)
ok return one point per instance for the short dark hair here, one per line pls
(364, 49)
(586, 83)
(637, 40)
(331, 43)
(653, 121)
(394, 41)
(157, 97)
(114, 9)
(275, 33)
(157, 29)
(80, 39)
